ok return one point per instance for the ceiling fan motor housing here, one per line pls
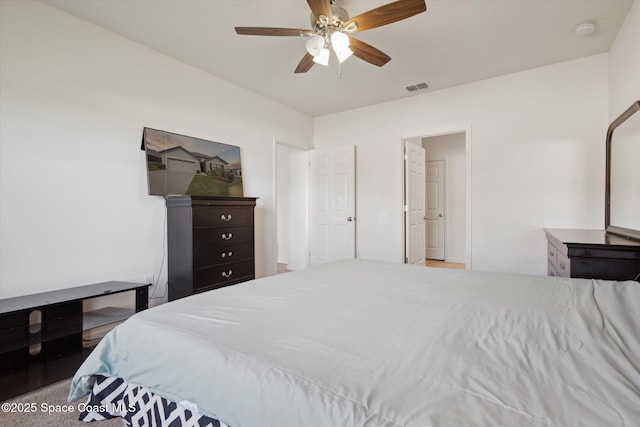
(340, 15)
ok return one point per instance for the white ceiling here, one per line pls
(452, 43)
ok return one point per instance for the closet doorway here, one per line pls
(447, 197)
(291, 195)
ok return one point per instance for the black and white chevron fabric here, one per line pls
(113, 397)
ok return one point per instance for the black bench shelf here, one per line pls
(45, 337)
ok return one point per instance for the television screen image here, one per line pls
(184, 165)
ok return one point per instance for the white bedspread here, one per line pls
(362, 343)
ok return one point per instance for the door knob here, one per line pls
(440, 215)
(349, 219)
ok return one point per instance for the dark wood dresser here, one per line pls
(592, 254)
(210, 243)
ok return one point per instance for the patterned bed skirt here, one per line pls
(114, 397)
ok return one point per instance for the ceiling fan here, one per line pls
(332, 27)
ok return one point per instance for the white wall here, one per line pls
(282, 204)
(451, 149)
(74, 98)
(537, 159)
(624, 90)
(624, 64)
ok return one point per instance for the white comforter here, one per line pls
(361, 343)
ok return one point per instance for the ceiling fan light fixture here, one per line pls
(342, 55)
(340, 44)
(322, 58)
(351, 27)
(315, 45)
(339, 41)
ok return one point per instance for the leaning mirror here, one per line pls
(622, 194)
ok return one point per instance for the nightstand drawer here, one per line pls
(551, 255)
(562, 265)
(551, 270)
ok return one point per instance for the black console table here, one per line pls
(41, 335)
(592, 254)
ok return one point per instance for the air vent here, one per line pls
(416, 87)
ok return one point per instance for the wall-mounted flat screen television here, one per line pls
(184, 165)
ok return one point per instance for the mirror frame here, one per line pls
(627, 232)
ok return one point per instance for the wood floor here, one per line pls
(444, 264)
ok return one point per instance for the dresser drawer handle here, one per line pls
(227, 274)
(226, 254)
(225, 218)
(562, 266)
(552, 253)
(227, 237)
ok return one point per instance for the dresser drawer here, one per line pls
(222, 255)
(562, 265)
(551, 255)
(220, 274)
(205, 238)
(222, 216)
(551, 270)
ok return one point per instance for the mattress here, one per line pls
(365, 343)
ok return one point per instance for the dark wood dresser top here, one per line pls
(571, 236)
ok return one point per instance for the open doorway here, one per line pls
(291, 169)
(447, 198)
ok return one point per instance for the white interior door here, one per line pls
(435, 210)
(332, 204)
(414, 202)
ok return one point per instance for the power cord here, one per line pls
(164, 255)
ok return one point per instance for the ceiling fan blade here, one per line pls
(320, 7)
(384, 15)
(306, 63)
(368, 53)
(269, 31)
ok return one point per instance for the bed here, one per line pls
(364, 343)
